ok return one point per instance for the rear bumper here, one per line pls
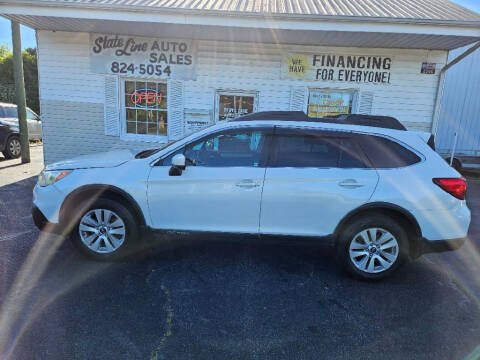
(43, 224)
(432, 246)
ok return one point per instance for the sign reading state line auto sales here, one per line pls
(142, 57)
(333, 67)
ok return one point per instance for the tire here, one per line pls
(12, 147)
(365, 259)
(117, 235)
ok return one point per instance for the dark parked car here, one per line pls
(9, 141)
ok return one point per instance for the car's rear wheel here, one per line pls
(372, 247)
(13, 148)
(107, 230)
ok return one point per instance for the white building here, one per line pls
(123, 74)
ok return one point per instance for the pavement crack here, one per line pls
(168, 324)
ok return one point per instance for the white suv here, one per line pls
(382, 195)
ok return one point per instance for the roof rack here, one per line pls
(274, 115)
(386, 122)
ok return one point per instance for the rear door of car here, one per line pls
(313, 179)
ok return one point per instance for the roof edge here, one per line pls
(270, 16)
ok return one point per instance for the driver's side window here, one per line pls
(226, 149)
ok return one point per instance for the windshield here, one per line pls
(146, 153)
(10, 112)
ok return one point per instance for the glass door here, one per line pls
(230, 105)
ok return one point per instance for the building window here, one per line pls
(231, 105)
(330, 102)
(145, 107)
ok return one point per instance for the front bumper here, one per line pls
(43, 224)
(431, 246)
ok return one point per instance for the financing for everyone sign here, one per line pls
(142, 57)
(334, 67)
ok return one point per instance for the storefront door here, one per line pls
(230, 105)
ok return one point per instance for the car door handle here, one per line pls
(247, 183)
(350, 183)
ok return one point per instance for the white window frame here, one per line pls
(123, 114)
(355, 91)
(228, 92)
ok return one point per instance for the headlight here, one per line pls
(49, 177)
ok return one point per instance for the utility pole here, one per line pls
(20, 91)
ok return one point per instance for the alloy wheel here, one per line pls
(102, 231)
(373, 250)
(14, 147)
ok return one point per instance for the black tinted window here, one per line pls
(316, 151)
(385, 153)
(351, 155)
(228, 149)
(10, 112)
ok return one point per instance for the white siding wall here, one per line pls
(65, 79)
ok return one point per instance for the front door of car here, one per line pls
(314, 179)
(220, 188)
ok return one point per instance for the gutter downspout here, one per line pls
(441, 85)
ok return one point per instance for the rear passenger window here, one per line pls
(387, 154)
(316, 151)
(351, 155)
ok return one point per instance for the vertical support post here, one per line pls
(20, 91)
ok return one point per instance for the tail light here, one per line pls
(455, 187)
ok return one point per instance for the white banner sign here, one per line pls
(142, 57)
(337, 67)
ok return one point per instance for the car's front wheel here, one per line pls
(372, 247)
(107, 230)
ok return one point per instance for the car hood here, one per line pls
(97, 160)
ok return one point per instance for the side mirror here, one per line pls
(179, 161)
(178, 165)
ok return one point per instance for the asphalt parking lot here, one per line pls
(222, 300)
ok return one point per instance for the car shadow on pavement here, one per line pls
(9, 166)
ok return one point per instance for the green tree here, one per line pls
(7, 87)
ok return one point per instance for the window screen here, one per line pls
(385, 153)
